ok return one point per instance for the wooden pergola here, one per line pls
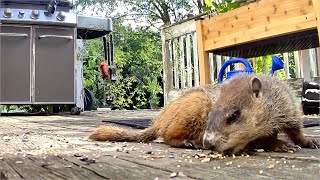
(260, 28)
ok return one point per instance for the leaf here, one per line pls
(208, 3)
(206, 8)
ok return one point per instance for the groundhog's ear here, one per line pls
(256, 85)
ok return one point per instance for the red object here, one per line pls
(104, 70)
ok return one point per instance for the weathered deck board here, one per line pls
(7, 172)
(47, 145)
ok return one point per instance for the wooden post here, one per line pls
(318, 60)
(176, 64)
(254, 63)
(182, 63)
(286, 65)
(218, 59)
(211, 59)
(316, 6)
(296, 57)
(305, 64)
(167, 79)
(189, 65)
(204, 66)
(313, 66)
(195, 60)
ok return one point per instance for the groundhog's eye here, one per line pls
(233, 117)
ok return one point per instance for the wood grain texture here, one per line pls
(258, 21)
(203, 56)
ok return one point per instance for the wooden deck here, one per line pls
(55, 147)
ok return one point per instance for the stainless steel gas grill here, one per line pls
(38, 61)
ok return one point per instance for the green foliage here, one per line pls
(220, 6)
(166, 11)
(264, 64)
(139, 66)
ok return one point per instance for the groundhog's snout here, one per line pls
(210, 140)
(214, 141)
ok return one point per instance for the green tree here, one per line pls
(137, 51)
(221, 6)
(149, 12)
(139, 68)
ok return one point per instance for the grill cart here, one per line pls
(39, 43)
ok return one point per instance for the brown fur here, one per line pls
(250, 112)
(181, 123)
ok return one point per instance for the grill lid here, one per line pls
(63, 3)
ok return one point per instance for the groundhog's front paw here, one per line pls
(311, 143)
(282, 146)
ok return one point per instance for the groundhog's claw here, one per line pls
(192, 143)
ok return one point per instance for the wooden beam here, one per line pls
(204, 65)
(316, 6)
(178, 30)
(258, 21)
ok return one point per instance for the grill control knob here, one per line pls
(21, 14)
(61, 16)
(7, 13)
(34, 14)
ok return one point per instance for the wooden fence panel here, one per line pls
(195, 61)
(189, 65)
(182, 64)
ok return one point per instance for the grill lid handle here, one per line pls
(56, 36)
(13, 35)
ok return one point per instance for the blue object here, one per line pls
(232, 73)
(276, 65)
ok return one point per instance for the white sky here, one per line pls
(89, 12)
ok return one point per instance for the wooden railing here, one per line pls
(181, 66)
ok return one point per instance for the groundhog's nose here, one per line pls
(208, 141)
(207, 145)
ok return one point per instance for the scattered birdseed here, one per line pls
(205, 160)
(174, 174)
(271, 166)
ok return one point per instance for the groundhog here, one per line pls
(181, 123)
(249, 113)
